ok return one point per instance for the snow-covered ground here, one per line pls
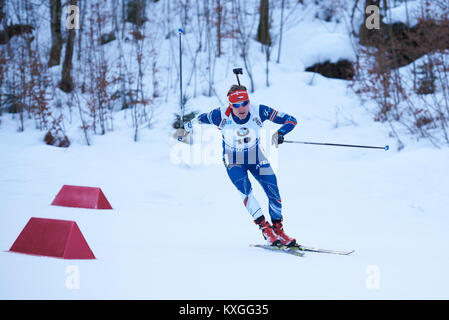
(180, 231)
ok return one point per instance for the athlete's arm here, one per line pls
(211, 117)
(287, 121)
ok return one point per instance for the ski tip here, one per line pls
(387, 147)
(180, 30)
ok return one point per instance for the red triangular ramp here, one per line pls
(52, 238)
(81, 197)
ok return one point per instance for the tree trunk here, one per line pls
(280, 31)
(2, 13)
(56, 36)
(82, 12)
(219, 22)
(66, 83)
(369, 37)
(263, 31)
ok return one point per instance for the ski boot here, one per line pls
(268, 233)
(283, 237)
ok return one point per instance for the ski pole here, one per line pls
(386, 148)
(181, 119)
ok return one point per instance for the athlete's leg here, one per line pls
(239, 177)
(267, 179)
(264, 174)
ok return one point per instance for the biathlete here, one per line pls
(240, 123)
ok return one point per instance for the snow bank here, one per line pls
(410, 11)
(326, 47)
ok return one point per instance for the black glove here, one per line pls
(277, 139)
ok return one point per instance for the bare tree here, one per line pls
(66, 83)
(263, 30)
(139, 101)
(263, 34)
(243, 34)
(97, 74)
(415, 97)
(219, 11)
(281, 27)
(56, 35)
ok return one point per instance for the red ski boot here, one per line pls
(284, 238)
(268, 233)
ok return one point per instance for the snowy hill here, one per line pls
(180, 231)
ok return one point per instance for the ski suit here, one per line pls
(242, 153)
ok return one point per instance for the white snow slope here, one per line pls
(180, 231)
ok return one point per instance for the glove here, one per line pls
(188, 126)
(277, 139)
(181, 134)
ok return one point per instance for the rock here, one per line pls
(342, 69)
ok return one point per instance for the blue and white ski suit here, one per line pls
(242, 153)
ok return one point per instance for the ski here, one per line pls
(282, 249)
(300, 249)
(319, 250)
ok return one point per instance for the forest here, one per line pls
(76, 63)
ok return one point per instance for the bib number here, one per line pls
(242, 136)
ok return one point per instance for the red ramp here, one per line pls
(81, 197)
(52, 238)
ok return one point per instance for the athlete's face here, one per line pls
(240, 109)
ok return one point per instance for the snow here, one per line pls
(326, 47)
(179, 230)
(409, 12)
(317, 42)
